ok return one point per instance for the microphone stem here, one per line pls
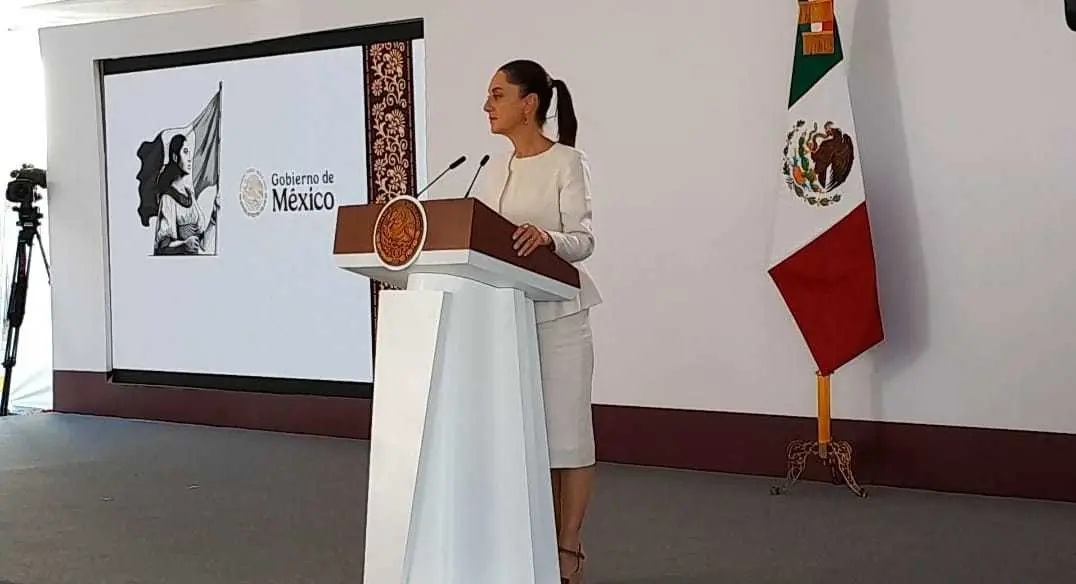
(473, 180)
(431, 183)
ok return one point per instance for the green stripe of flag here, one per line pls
(807, 71)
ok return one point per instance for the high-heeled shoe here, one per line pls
(576, 577)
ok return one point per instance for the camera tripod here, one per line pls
(29, 223)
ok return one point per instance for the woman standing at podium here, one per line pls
(543, 186)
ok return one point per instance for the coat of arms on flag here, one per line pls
(818, 160)
(178, 168)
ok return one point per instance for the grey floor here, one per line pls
(86, 500)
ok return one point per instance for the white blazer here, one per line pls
(550, 190)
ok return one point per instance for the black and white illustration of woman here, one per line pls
(184, 227)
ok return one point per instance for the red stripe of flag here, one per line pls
(831, 290)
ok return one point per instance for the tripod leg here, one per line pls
(16, 310)
(44, 257)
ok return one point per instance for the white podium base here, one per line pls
(459, 465)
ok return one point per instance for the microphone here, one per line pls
(452, 166)
(481, 163)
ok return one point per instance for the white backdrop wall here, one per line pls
(964, 110)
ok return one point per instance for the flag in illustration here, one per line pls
(822, 256)
(177, 166)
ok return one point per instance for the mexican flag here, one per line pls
(822, 258)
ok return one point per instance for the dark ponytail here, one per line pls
(532, 78)
(567, 124)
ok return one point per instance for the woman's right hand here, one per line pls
(192, 245)
(529, 238)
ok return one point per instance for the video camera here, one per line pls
(23, 189)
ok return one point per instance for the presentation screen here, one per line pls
(225, 169)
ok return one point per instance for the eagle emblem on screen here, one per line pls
(400, 232)
(178, 183)
(252, 193)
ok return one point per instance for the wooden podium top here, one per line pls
(454, 224)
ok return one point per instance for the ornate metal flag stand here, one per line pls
(837, 456)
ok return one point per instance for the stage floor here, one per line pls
(88, 500)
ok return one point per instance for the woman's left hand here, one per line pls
(529, 238)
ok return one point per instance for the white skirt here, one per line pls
(566, 354)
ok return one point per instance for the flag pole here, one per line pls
(837, 456)
(824, 437)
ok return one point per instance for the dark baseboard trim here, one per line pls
(982, 461)
(84, 392)
(279, 385)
